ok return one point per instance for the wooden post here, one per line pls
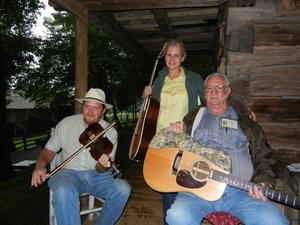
(81, 58)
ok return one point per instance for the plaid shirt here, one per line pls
(210, 132)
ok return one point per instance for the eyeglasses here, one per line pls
(218, 88)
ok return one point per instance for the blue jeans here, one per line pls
(67, 186)
(168, 199)
(190, 209)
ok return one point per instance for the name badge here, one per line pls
(229, 123)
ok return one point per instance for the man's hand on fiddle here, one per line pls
(177, 127)
(254, 192)
(103, 163)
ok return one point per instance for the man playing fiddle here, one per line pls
(83, 173)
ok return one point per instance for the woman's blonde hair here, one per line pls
(175, 42)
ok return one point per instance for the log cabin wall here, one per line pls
(263, 64)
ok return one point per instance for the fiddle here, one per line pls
(79, 150)
(99, 146)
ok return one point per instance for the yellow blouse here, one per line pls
(173, 101)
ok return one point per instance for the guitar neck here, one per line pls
(246, 185)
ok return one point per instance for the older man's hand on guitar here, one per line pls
(254, 192)
(178, 127)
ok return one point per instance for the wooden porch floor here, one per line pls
(145, 205)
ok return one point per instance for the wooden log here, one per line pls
(275, 81)
(241, 40)
(277, 34)
(283, 135)
(240, 16)
(276, 109)
(281, 49)
(266, 54)
(286, 156)
(241, 63)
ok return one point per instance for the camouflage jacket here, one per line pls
(260, 150)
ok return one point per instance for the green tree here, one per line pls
(16, 53)
(118, 73)
(51, 81)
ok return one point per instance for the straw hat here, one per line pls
(95, 95)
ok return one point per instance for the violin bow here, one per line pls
(79, 150)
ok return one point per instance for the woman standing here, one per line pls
(178, 91)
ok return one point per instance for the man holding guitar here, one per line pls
(228, 127)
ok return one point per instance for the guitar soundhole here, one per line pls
(200, 170)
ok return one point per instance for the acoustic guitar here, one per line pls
(174, 170)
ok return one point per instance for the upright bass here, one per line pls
(146, 125)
